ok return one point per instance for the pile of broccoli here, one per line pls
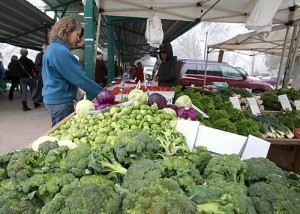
(141, 174)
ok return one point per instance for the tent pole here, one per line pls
(282, 56)
(206, 59)
(287, 74)
(97, 36)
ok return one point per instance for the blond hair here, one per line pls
(62, 29)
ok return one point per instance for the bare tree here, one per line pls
(192, 43)
(272, 62)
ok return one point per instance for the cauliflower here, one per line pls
(67, 143)
(83, 106)
(137, 95)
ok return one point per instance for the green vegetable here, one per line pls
(227, 167)
(135, 145)
(183, 101)
(137, 95)
(84, 106)
(163, 196)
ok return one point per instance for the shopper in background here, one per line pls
(168, 70)
(62, 73)
(15, 69)
(26, 77)
(100, 71)
(2, 79)
(138, 74)
(38, 81)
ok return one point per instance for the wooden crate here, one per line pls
(285, 153)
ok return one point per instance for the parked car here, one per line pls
(272, 79)
(192, 72)
(246, 73)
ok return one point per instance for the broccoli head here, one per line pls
(54, 160)
(262, 169)
(12, 200)
(77, 160)
(161, 196)
(274, 198)
(140, 174)
(135, 145)
(183, 171)
(45, 186)
(232, 198)
(228, 167)
(200, 156)
(46, 146)
(90, 194)
(22, 164)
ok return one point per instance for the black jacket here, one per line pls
(28, 65)
(168, 71)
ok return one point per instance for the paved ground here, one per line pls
(18, 129)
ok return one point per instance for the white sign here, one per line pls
(297, 104)
(235, 102)
(253, 106)
(285, 103)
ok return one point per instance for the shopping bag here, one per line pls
(37, 90)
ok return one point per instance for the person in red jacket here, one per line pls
(138, 74)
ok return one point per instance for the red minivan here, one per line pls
(192, 72)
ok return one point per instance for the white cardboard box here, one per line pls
(189, 129)
(218, 141)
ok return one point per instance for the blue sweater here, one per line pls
(62, 74)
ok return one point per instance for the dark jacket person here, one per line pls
(168, 70)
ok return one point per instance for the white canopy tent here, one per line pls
(267, 43)
(286, 12)
(229, 11)
(281, 41)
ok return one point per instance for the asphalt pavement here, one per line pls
(18, 129)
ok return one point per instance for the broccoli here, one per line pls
(262, 169)
(77, 160)
(200, 156)
(93, 199)
(104, 162)
(172, 142)
(135, 145)
(54, 160)
(141, 173)
(183, 171)
(161, 196)
(46, 146)
(233, 199)
(90, 194)
(22, 164)
(228, 167)
(45, 186)
(12, 201)
(274, 198)
(211, 190)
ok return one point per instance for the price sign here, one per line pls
(253, 106)
(297, 104)
(285, 103)
(235, 102)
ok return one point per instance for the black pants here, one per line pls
(14, 84)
